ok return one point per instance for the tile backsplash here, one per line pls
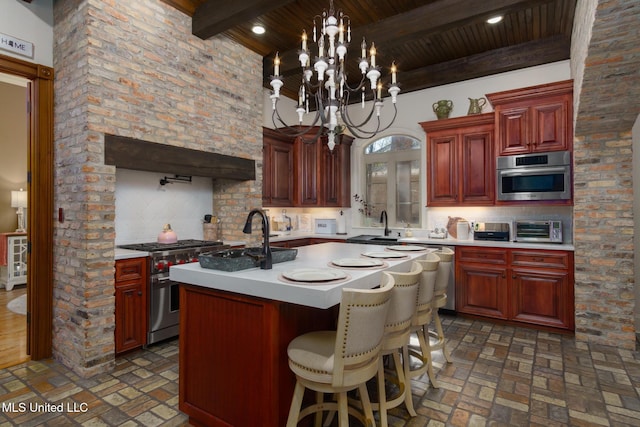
(143, 206)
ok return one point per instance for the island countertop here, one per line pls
(269, 284)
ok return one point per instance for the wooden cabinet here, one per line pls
(531, 286)
(460, 161)
(277, 169)
(534, 119)
(481, 282)
(335, 178)
(130, 304)
(300, 173)
(323, 176)
(307, 160)
(542, 288)
(233, 356)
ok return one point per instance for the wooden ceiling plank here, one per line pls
(216, 16)
(406, 27)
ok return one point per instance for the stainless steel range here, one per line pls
(164, 303)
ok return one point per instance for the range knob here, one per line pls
(195, 259)
(181, 261)
(160, 265)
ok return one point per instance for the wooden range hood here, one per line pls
(136, 154)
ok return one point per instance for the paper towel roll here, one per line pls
(463, 230)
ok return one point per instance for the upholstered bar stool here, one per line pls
(343, 360)
(440, 299)
(396, 342)
(423, 318)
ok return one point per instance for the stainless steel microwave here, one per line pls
(540, 176)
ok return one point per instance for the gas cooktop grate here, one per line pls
(180, 244)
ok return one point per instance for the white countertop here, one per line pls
(281, 237)
(266, 283)
(128, 253)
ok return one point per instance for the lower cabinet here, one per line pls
(529, 286)
(131, 304)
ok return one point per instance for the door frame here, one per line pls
(40, 203)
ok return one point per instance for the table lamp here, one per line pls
(19, 201)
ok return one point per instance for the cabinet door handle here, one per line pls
(514, 276)
(139, 293)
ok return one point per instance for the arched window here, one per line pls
(392, 179)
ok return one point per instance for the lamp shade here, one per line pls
(19, 199)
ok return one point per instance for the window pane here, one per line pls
(392, 143)
(408, 192)
(377, 175)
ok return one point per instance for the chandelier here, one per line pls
(328, 90)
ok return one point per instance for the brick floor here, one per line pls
(500, 376)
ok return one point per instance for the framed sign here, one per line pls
(15, 45)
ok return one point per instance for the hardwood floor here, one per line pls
(13, 330)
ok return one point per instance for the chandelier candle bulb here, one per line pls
(304, 41)
(276, 66)
(393, 73)
(372, 52)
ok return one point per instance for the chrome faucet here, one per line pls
(265, 258)
(383, 217)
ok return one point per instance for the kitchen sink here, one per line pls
(243, 258)
(373, 240)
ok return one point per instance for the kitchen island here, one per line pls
(235, 328)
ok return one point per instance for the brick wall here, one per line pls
(606, 61)
(132, 68)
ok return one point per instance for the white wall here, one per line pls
(31, 22)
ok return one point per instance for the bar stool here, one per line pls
(343, 360)
(440, 299)
(396, 341)
(423, 317)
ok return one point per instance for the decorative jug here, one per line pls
(475, 105)
(442, 108)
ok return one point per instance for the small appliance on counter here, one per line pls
(494, 231)
(438, 233)
(326, 226)
(544, 231)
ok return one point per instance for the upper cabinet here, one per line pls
(460, 161)
(534, 119)
(277, 169)
(303, 172)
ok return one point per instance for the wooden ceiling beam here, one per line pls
(529, 54)
(216, 16)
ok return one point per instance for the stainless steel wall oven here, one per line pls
(541, 176)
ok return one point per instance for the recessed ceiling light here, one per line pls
(258, 29)
(494, 19)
